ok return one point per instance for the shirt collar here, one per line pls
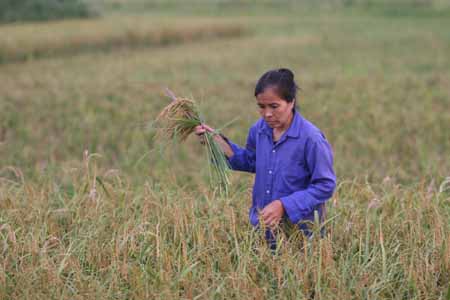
(293, 130)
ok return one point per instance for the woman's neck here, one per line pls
(285, 126)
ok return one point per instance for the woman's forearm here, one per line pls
(224, 145)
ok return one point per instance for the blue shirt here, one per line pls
(298, 169)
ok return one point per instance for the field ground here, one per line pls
(91, 208)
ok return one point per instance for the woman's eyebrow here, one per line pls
(269, 104)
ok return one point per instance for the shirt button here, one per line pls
(270, 171)
(267, 192)
(273, 151)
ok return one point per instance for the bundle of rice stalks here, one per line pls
(177, 121)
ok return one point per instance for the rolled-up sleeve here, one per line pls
(319, 159)
(244, 159)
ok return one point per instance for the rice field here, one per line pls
(92, 207)
(22, 42)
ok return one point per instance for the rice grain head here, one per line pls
(178, 119)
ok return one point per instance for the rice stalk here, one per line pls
(177, 121)
(445, 185)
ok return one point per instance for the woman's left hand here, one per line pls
(273, 213)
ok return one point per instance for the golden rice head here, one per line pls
(170, 119)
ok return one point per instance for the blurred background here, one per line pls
(89, 74)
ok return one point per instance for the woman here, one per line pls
(291, 157)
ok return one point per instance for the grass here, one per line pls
(105, 223)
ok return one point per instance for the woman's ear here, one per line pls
(292, 103)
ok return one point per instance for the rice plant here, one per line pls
(445, 185)
(177, 121)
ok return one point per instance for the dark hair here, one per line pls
(280, 79)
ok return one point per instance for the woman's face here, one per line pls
(276, 111)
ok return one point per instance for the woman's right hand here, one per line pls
(200, 131)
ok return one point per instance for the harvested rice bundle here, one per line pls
(177, 121)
